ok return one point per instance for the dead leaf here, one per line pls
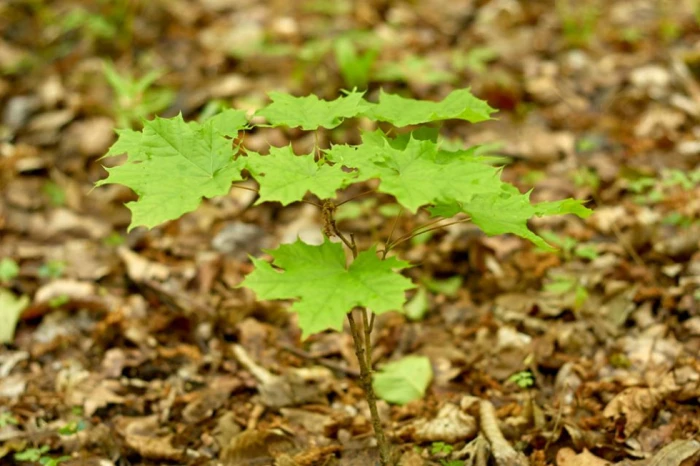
(635, 405)
(141, 269)
(294, 387)
(568, 457)
(253, 447)
(451, 425)
(678, 453)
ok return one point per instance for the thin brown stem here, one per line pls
(362, 341)
(416, 232)
(317, 147)
(331, 229)
(247, 188)
(413, 232)
(364, 193)
(350, 244)
(391, 233)
(312, 203)
(366, 380)
(368, 341)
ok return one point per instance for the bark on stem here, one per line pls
(362, 352)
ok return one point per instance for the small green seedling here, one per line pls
(91, 25)
(56, 194)
(6, 419)
(355, 66)
(444, 449)
(136, 98)
(38, 455)
(59, 301)
(8, 269)
(415, 70)
(73, 427)
(569, 247)
(343, 277)
(523, 379)
(49, 461)
(31, 454)
(52, 269)
(566, 285)
(579, 21)
(475, 59)
(440, 448)
(652, 190)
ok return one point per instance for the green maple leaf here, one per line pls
(416, 172)
(362, 158)
(173, 164)
(509, 211)
(404, 380)
(310, 112)
(325, 287)
(286, 177)
(400, 111)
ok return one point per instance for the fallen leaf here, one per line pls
(568, 457)
(403, 381)
(636, 404)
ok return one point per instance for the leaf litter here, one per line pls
(148, 349)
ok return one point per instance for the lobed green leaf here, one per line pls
(416, 172)
(310, 112)
(171, 165)
(509, 211)
(403, 381)
(286, 177)
(400, 111)
(325, 288)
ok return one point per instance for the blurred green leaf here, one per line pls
(403, 381)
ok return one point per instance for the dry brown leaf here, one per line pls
(253, 447)
(140, 434)
(475, 453)
(294, 387)
(678, 453)
(141, 269)
(503, 452)
(636, 404)
(411, 458)
(208, 401)
(451, 425)
(568, 457)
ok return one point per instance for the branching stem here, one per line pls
(361, 339)
(391, 234)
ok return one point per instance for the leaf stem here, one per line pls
(391, 233)
(416, 231)
(247, 188)
(355, 197)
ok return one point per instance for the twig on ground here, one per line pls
(504, 454)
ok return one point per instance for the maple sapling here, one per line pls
(412, 168)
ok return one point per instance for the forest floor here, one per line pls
(138, 349)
